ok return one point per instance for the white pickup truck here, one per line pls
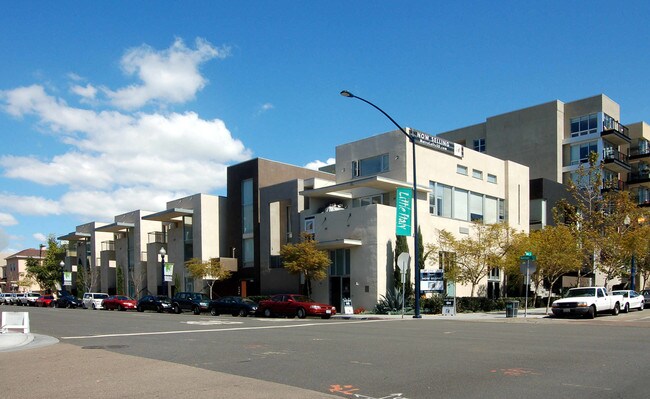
(587, 302)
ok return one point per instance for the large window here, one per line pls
(248, 252)
(340, 265)
(580, 152)
(451, 202)
(370, 166)
(247, 206)
(582, 125)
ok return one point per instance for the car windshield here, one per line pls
(246, 300)
(624, 293)
(122, 298)
(162, 298)
(201, 297)
(581, 292)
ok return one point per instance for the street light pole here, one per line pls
(416, 250)
(162, 253)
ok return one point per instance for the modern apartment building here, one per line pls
(246, 234)
(126, 251)
(84, 251)
(354, 217)
(190, 227)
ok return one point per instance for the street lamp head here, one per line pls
(162, 251)
(346, 93)
(62, 264)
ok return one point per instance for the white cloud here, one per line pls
(264, 108)
(121, 161)
(40, 237)
(87, 92)
(319, 164)
(7, 219)
(169, 76)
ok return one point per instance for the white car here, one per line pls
(93, 300)
(631, 300)
(29, 299)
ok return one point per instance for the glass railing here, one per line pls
(157, 236)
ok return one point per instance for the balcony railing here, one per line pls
(108, 245)
(613, 184)
(640, 149)
(611, 154)
(611, 125)
(639, 176)
(157, 236)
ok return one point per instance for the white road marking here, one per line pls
(211, 322)
(219, 329)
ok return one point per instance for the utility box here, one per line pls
(512, 307)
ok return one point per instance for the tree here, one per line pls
(48, 273)
(304, 258)
(120, 280)
(557, 252)
(475, 255)
(401, 246)
(210, 271)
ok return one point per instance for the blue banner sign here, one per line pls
(403, 204)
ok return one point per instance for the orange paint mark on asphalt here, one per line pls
(344, 389)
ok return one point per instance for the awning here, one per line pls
(361, 188)
(116, 227)
(169, 215)
(74, 236)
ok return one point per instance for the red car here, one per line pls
(44, 300)
(119, 302)
(292, 305)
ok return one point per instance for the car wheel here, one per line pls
(94, 307)
(626, 308)
(53, 304)
(196, 310)
(177, 309)
(591, 313)
(326, 316)
(159, 309)
(242, 313)
(617, 309)
(641, 307)
(120, 308)
(139, 309)
(301, 313)
(213, 312)
(268, 313)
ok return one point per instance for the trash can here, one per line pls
(511, 308)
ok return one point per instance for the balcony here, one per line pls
(108, 245)
(157, 237)
(640, 150)
(614, 185)
(615, 132)
(615, 160)
(639, 177)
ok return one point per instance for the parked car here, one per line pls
(119, 302)
(66, 300)
(159, 303)
(9, 297)
(17, 298)
(3, 297)
(631, 300)
(190, 301)
(292, 305)
(44, 301)
(93, 300)
(234, 305)
(29, 299)
(588, 302)
(646, 297)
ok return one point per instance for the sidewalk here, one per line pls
(533, 313)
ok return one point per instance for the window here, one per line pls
(479, 145)
(584, 125)
(440, 205)
(248, 252)
(491, 179)
(247, 206)
(340, 265)
(476, 207)
(459, 206)
(370, 166)
(370, 200)
(462, 170)
(490, 216)
(477, 174)
(580, 152)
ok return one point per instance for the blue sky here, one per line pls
(107, 107)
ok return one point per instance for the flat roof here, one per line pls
(116, 227)
(74, 236)
(169, 214)
(361, 188)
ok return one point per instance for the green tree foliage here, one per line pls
(557, 253)
(120, 280)
(304, 258)
(401, 246)
(484, 248)
(210, 271)
(48, 273)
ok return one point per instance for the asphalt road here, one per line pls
(428, 358)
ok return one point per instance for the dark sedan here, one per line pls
(66, 301)
(234, 305)
(159, 303)
(646, 298)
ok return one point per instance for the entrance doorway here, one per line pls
(339, 289)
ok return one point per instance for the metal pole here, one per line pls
(527, 286)
(416, 250)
